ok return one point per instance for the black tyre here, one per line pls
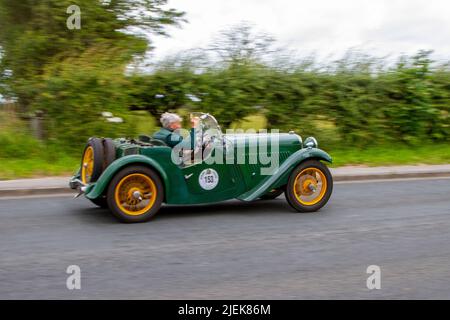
(309, 187)
(92, 161)
(135, 194)
(272, 194)
(109, 152)
(100, 202)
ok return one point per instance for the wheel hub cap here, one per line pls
(135, 194)
(310, 186)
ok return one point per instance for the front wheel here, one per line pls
(310, 186)
(135, 194)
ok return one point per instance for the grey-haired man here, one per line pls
(169, 133)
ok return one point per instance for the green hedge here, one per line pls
(358, 101)
(348, 104)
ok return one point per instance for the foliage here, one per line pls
(353, 102)
(358, 101)
(75, 92)
(242, 44)
(22, 156)
(73, 75)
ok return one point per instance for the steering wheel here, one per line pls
(201, 142)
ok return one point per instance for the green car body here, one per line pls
(243, 180)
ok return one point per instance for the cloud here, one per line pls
(327, 27)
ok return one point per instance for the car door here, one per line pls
(210, 182)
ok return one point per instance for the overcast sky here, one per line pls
(380, 27)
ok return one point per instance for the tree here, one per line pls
(242, 43)
(74, 75)
(34, 35)
(230, 90)
(411, 111)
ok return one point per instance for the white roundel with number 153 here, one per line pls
(208, 179)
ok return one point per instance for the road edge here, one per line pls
(34, 192)
(390, 176)
(11, 192)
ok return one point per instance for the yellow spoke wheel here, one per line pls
(135, 194)
(87, 166)
(92, 161)
(309, 187)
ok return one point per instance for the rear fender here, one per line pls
(99, 188)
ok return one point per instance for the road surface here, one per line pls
(234, 250)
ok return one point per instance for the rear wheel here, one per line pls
(92, 161)
(310, 186)
(135, 194)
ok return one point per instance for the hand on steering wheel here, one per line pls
(194, 122)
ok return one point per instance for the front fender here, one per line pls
(281, 175)
(102, 183)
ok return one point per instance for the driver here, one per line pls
(171, 126)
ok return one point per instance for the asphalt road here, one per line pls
(234, 250)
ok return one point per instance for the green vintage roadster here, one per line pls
(133, 177)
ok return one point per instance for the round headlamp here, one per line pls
(310, 142)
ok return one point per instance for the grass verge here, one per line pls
(37, 168)
(392, 155)
(22, 156)
(377, 156)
